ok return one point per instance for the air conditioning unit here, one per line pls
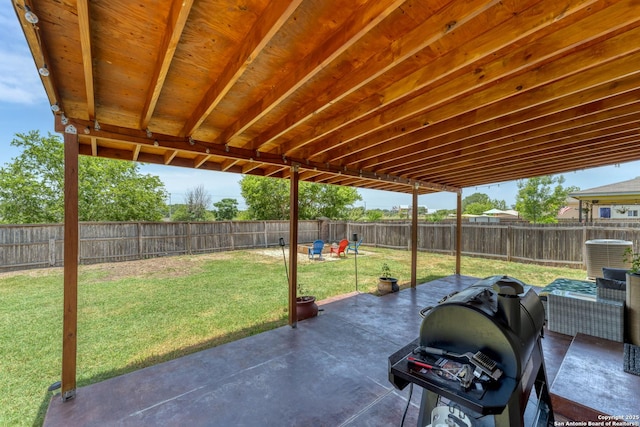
(605, 253)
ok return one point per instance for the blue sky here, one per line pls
(24, 107)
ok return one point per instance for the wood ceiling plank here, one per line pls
(563, 131)
(466, 94)
(169, 155)
(176, 22)
(577, 160)
(558, 152)
(228, 164)
(620, 70)
(497, 154)
(467, 126)
(526, 25)
(200, 160)
(451, 144)
(428, 32)
(274, 17)
(362, 21)
(274, 171)
(251, 166)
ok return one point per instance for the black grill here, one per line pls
(479, 353)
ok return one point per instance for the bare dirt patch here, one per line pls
(171, 266)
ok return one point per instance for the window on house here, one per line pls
(605, 212)
(632, 213)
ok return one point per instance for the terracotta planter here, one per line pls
(387, 285)
(306, 307)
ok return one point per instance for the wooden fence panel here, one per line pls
(113, 241)
(485, 240)
(30, 246)
(164, 238)
(41, 245)
(211, 236)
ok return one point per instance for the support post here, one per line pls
(414, 238)
(293, 245)
(458, 231)
(71, 250)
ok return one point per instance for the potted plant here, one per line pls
(306, 306)
(387, 283)
(632, 299)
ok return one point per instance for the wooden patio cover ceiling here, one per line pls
(383, 94)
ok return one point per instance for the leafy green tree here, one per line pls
(226, 209)
(539, 199)
(32, 186)
(477, 208)
(477, 203)
(268, 198)
(474, 198)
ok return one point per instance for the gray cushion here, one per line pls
(615, 273)
(620, 285)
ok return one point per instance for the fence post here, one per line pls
(509, 243)
(375, 234)
(452, 239)
(52, 252)
(233, 242)
(188, 238)
(266, 235)
(139, 228)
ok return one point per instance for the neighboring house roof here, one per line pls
(617, 193)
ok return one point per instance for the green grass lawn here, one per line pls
(139, 313)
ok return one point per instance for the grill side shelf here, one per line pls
(486, 401)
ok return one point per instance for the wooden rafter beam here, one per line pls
(251, 166)
(176, 22)
(136, 152)
(625, 136)
(227, 164)
(597, 80)
(87, 59)
(169, 155)
(359, 24)
(436, 105)
(40, 55)
(264, 29)
(172, 145)
(528, 19)
(200, 160)
(525, 124)
(580, 131)
(409, 45)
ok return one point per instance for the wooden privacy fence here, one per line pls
(548, 244)
(35, 246)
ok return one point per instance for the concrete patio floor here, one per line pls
(331, 370)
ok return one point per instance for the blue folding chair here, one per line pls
(354, 246)
(316, 249)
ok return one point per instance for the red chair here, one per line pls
(340, 249)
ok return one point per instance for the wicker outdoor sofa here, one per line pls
(600, 315)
